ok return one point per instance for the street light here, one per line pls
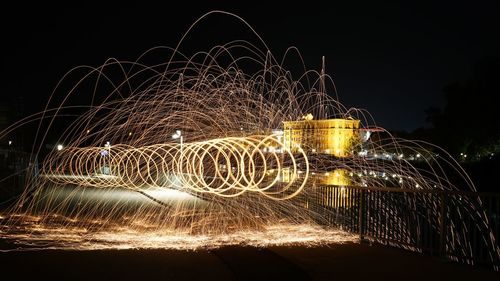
(178, 135)
(59, 147)
(108, 146)
(108, 154)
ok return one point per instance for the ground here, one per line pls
(349, 261)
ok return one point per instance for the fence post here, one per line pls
(442, 227)
(360, 214)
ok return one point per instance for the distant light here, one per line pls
(313, 150)
(177, 134)
(418, 155)
(366, 136)
(465, 155)
(308, 117)
(401, 155)
(129, 134)
(59, 147)
(10, 143)
(276, 132)
(88, 131)
(108, 144)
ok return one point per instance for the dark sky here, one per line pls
(390, 59)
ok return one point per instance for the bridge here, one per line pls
(422, 221)
(350, 261)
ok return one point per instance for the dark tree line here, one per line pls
(469, 122)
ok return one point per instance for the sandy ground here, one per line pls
(350, 261)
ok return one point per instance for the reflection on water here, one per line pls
(337, 177)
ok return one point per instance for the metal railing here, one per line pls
(457, 225)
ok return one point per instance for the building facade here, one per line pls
(327, 136)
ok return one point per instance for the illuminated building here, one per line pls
(331, 137)
(327, 136)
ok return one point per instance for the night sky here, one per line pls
(390, 59)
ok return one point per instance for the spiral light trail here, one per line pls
(225, 167)
(194, 149)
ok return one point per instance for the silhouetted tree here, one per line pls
(469, 121)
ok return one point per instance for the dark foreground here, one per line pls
(338, 262)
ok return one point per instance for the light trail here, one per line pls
(68, 235)
(233, 177)
(225, 167)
